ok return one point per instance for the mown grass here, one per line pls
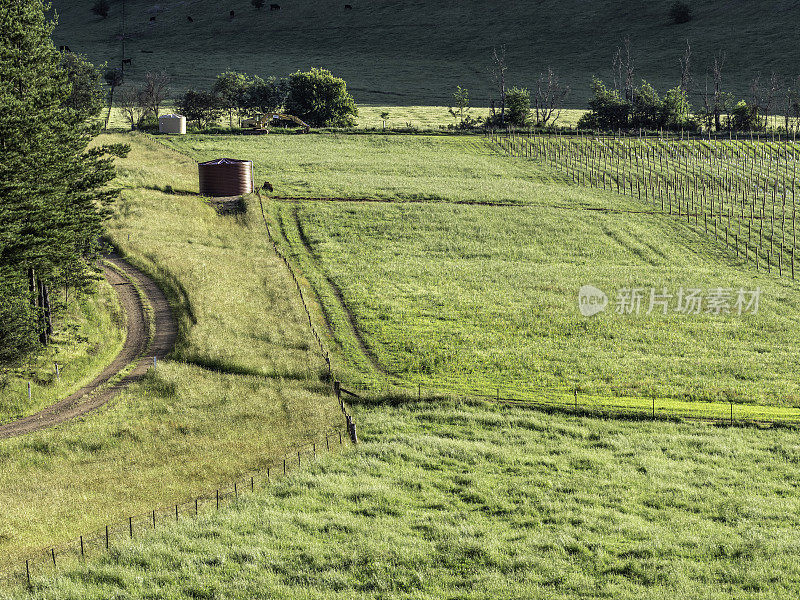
(243, 384)
(416, 52)
(458, 501)
(88, 334)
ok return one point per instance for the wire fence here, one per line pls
(25, 570)
(574, 401)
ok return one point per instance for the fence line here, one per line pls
(574, 401)
(78, 549)
(24, 571)
(741, 193)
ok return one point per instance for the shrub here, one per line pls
(680, 12)
(320, 99)
(745, 117)
(101, 8)
(607, 110)
(518, 106)
(258, 4)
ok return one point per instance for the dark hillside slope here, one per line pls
(417, 51)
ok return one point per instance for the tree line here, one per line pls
(53, 187)
(315, 96)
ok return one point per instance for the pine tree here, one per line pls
(53, 198)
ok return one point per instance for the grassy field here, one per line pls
(416, 52)
(456, 501)
(244, 383)
(87, 336)
(447, 292)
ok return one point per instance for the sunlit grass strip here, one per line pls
(24, 570)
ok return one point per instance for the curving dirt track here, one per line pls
(139, 349)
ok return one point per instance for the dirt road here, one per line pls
(139, 349)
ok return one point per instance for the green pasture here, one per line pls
(244, 383)
(416, 52)
(446, 290)
(476, 501)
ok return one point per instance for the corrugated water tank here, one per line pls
(226, 177)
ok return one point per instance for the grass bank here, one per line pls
(445, 289)
(243, 384)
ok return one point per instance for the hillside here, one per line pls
(416, 52)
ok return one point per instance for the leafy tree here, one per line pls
(320, 99)
(680, 12)
(231, 88)
(53, 193)
(745, 117)
(460, 107)
(607, 110)
(676, 111)
(258, 4)
(518, 106)
(261, 96)
(101, 8)
(200, 107)
(87, 96)
(646, 108)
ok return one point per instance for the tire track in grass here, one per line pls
(306, 248)
(151, 333)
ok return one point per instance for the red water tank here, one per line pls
(226, 177)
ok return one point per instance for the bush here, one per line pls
(607, 111)
(258, 4)
(680, 12)
(745, 117)
(518, 106)
(320, 99)
(101, 8)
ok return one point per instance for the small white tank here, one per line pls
(172, 124)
